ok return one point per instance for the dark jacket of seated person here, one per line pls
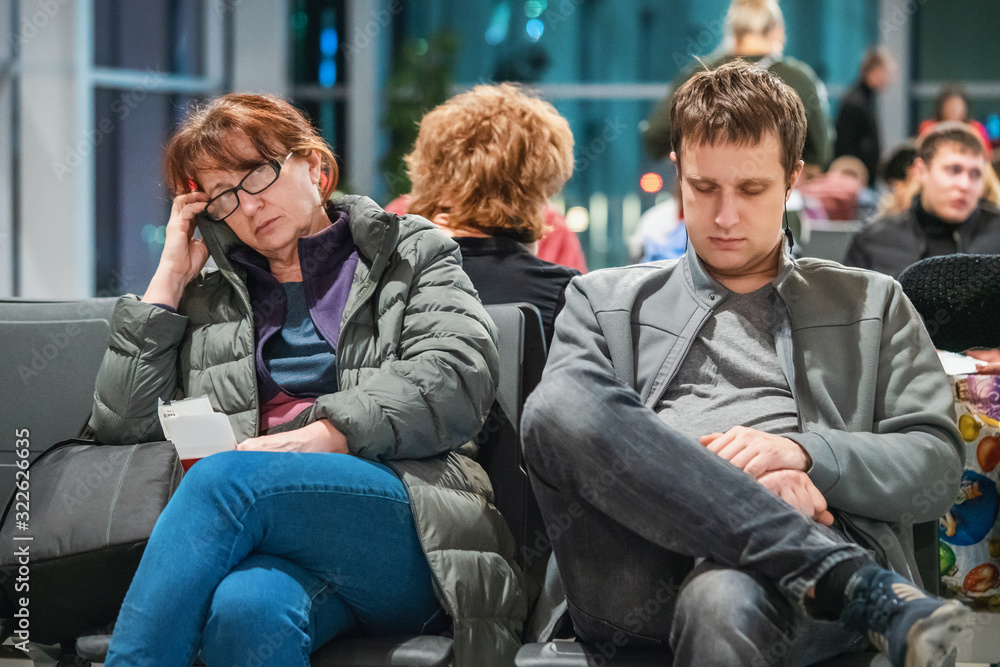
(948, 216)
(504, 271)
(891, 244)
(483, 168)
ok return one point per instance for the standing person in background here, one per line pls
(952, 104)
(857, 120)
(756, 29)
(483, 167)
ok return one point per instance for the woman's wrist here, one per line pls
(335, 440)
(165, 289)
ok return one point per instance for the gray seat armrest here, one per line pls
(420, 651)
(550, 608)
(574, 654)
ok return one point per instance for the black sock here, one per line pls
(830, 588)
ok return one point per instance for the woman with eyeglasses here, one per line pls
(354, 362)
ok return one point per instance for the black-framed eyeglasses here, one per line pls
(261, 178)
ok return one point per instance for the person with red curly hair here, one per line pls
(483, 167)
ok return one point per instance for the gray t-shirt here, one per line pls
(731, 375)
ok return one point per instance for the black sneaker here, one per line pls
(911, 627)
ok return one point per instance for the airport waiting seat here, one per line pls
(51, 351)
(50, 356)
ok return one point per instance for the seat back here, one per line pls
(522, 355)
(49, 355)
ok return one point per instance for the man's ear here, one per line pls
(920, 169)
(794, 178)
(677, 164)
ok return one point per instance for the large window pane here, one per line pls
(603, 49)
(328, 116)
(608, 165)
(132, 200)
(629, 41)
(317, 29)
(955, 46)
(319, 71)
(956, 41)
(124, 38)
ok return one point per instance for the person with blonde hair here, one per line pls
(857, 120)
(483, 167)
(755, 32)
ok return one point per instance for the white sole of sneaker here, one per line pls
(932, 641)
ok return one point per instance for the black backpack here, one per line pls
(73, 533)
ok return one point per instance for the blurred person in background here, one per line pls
(948, 214)
(900, 177)
(952, 104)
(857, 120)
(842, 192)
(483, 167)
(755, 31)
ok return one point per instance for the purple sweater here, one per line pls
(328, 260)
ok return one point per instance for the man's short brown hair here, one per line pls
(738, 103)
(958, 134)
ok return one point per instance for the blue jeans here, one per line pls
(631, 506)
(261, 558)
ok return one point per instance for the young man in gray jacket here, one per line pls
(734, 445)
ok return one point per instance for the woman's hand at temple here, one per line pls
(320, 436)
(183, 255)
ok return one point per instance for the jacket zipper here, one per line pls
(680, 359)
(788, 358)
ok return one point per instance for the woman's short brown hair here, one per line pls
(738, 103)
(209, 139)
(490, 158)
